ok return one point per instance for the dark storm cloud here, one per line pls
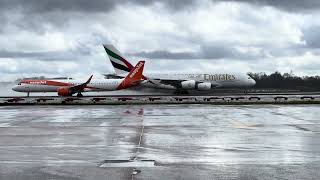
(39, 15)
(44, 6)
(67, 7)
(36, 15)
(106, 5)
(206, 52)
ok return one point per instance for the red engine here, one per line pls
(64, 91)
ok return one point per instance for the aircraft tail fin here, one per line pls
(134, 77)
(119, 63)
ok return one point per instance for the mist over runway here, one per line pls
(184, 141)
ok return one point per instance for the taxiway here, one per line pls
(223, 99)
(160, 142)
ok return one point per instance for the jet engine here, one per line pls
(204, 86)
(64, 91)
(190, 84)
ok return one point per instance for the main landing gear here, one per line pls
(181, 92)
(79, 94)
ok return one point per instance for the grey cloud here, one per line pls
(59, 11)
(45, 16)
(106, 5)
(68, 55)
(39, 15)
(206, 52)
(288, 5)
(44, 6)
(49, 55)
(218, 52)
(165, 55)
(170, 4)
(311, 36)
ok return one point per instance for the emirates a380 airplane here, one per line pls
(181, 82)
(69, 87)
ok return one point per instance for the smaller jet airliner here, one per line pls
(70, 87)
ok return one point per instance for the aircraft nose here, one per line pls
(252, 82)
(15, 88)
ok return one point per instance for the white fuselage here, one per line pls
(218, 80)
(53, 85)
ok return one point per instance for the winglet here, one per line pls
(80, 88)
(88, 81)
(134, 77)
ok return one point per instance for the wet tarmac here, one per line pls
(160, 142)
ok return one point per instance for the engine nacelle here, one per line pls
(191, 84)
(204, 86)
(64, 91)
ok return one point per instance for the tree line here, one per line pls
(277, 80)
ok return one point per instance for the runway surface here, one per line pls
(179, 142)
(130, 100)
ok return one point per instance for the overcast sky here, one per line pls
(65, 37)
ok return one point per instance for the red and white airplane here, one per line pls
(69, 87)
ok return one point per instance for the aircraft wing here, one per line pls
(80, 87)
(174, 83)
(113, 76)
(166, 80)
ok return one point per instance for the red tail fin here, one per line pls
(134, 77)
